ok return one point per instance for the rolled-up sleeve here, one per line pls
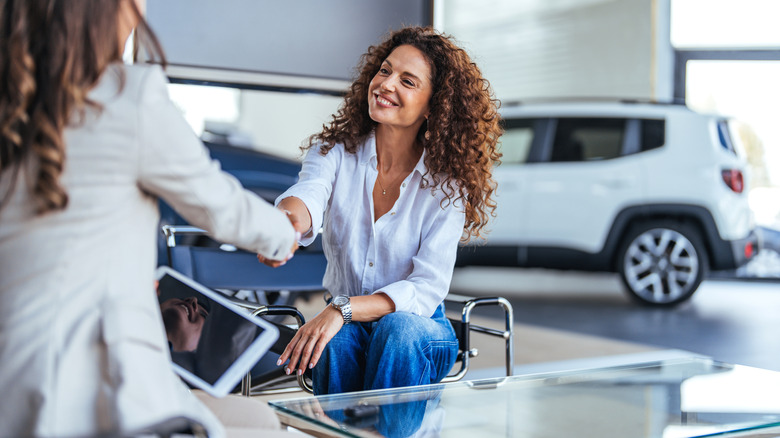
(314, 186)
(176, 166)
(426, 287)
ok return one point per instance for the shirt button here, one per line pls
(403, 185)
(365, 292)
(371, 264)
(392, 214)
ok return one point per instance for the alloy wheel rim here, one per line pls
(661, 265)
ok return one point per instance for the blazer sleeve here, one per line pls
(175, 165)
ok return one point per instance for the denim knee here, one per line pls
(410, 330)
(403, 330)
(407, 349)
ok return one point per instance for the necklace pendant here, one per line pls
(384, 192)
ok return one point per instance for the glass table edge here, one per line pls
(280, 405)
(497, 381)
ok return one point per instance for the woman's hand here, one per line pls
(306, 347)
(277, 263)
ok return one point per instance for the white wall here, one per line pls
(566, 48)
(280, 122)
(274, 122)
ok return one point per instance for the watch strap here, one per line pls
(346, 312)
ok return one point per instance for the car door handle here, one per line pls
(614, 183)
(509, 185)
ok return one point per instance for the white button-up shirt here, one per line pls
(408, 253)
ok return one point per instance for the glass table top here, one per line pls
(692, 397)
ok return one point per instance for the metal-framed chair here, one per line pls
(234, 270)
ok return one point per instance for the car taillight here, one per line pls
(749, 251)
(733, 179)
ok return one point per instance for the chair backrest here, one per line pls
(235, 270)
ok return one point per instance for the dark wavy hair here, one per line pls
(463, 122)
(52, 53)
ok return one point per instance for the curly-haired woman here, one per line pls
(400, 176)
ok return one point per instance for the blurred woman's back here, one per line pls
(86, 146)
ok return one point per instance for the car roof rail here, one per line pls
(594, 99)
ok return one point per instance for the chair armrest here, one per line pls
(281, 310)
(464, 326)
(170, 232)
(262, 310)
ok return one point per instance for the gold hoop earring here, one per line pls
(427, 135)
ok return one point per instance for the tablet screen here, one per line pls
(212, 342)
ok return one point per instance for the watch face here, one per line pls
(340, 300)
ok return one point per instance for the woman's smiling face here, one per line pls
(401, 90)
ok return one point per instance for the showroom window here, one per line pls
(516, 142)
(735, 74)
(587, 139)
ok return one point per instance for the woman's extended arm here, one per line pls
(306, 347)
(299, 213)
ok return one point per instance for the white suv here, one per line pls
(654, 192)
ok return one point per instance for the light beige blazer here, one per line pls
(82, 346)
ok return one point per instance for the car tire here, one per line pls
(662, 263)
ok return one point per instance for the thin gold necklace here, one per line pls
(384, 192)
(379, 180)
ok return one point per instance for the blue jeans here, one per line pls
(400, 349)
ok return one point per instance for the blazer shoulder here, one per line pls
(129, 82)
(141, 78)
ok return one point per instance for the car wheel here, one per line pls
(662, 263)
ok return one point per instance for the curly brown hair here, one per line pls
(52, 52)
(463, 123)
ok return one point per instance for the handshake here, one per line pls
(297, 210)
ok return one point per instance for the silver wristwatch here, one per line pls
(341, 302)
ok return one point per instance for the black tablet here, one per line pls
(213, 343)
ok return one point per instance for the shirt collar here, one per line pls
(368, 152)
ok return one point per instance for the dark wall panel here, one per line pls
(313, 38)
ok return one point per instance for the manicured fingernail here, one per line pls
(278, 362)
(287, 371)
(300, 372)
(283, 263)
(311, 365)
(297, 236)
